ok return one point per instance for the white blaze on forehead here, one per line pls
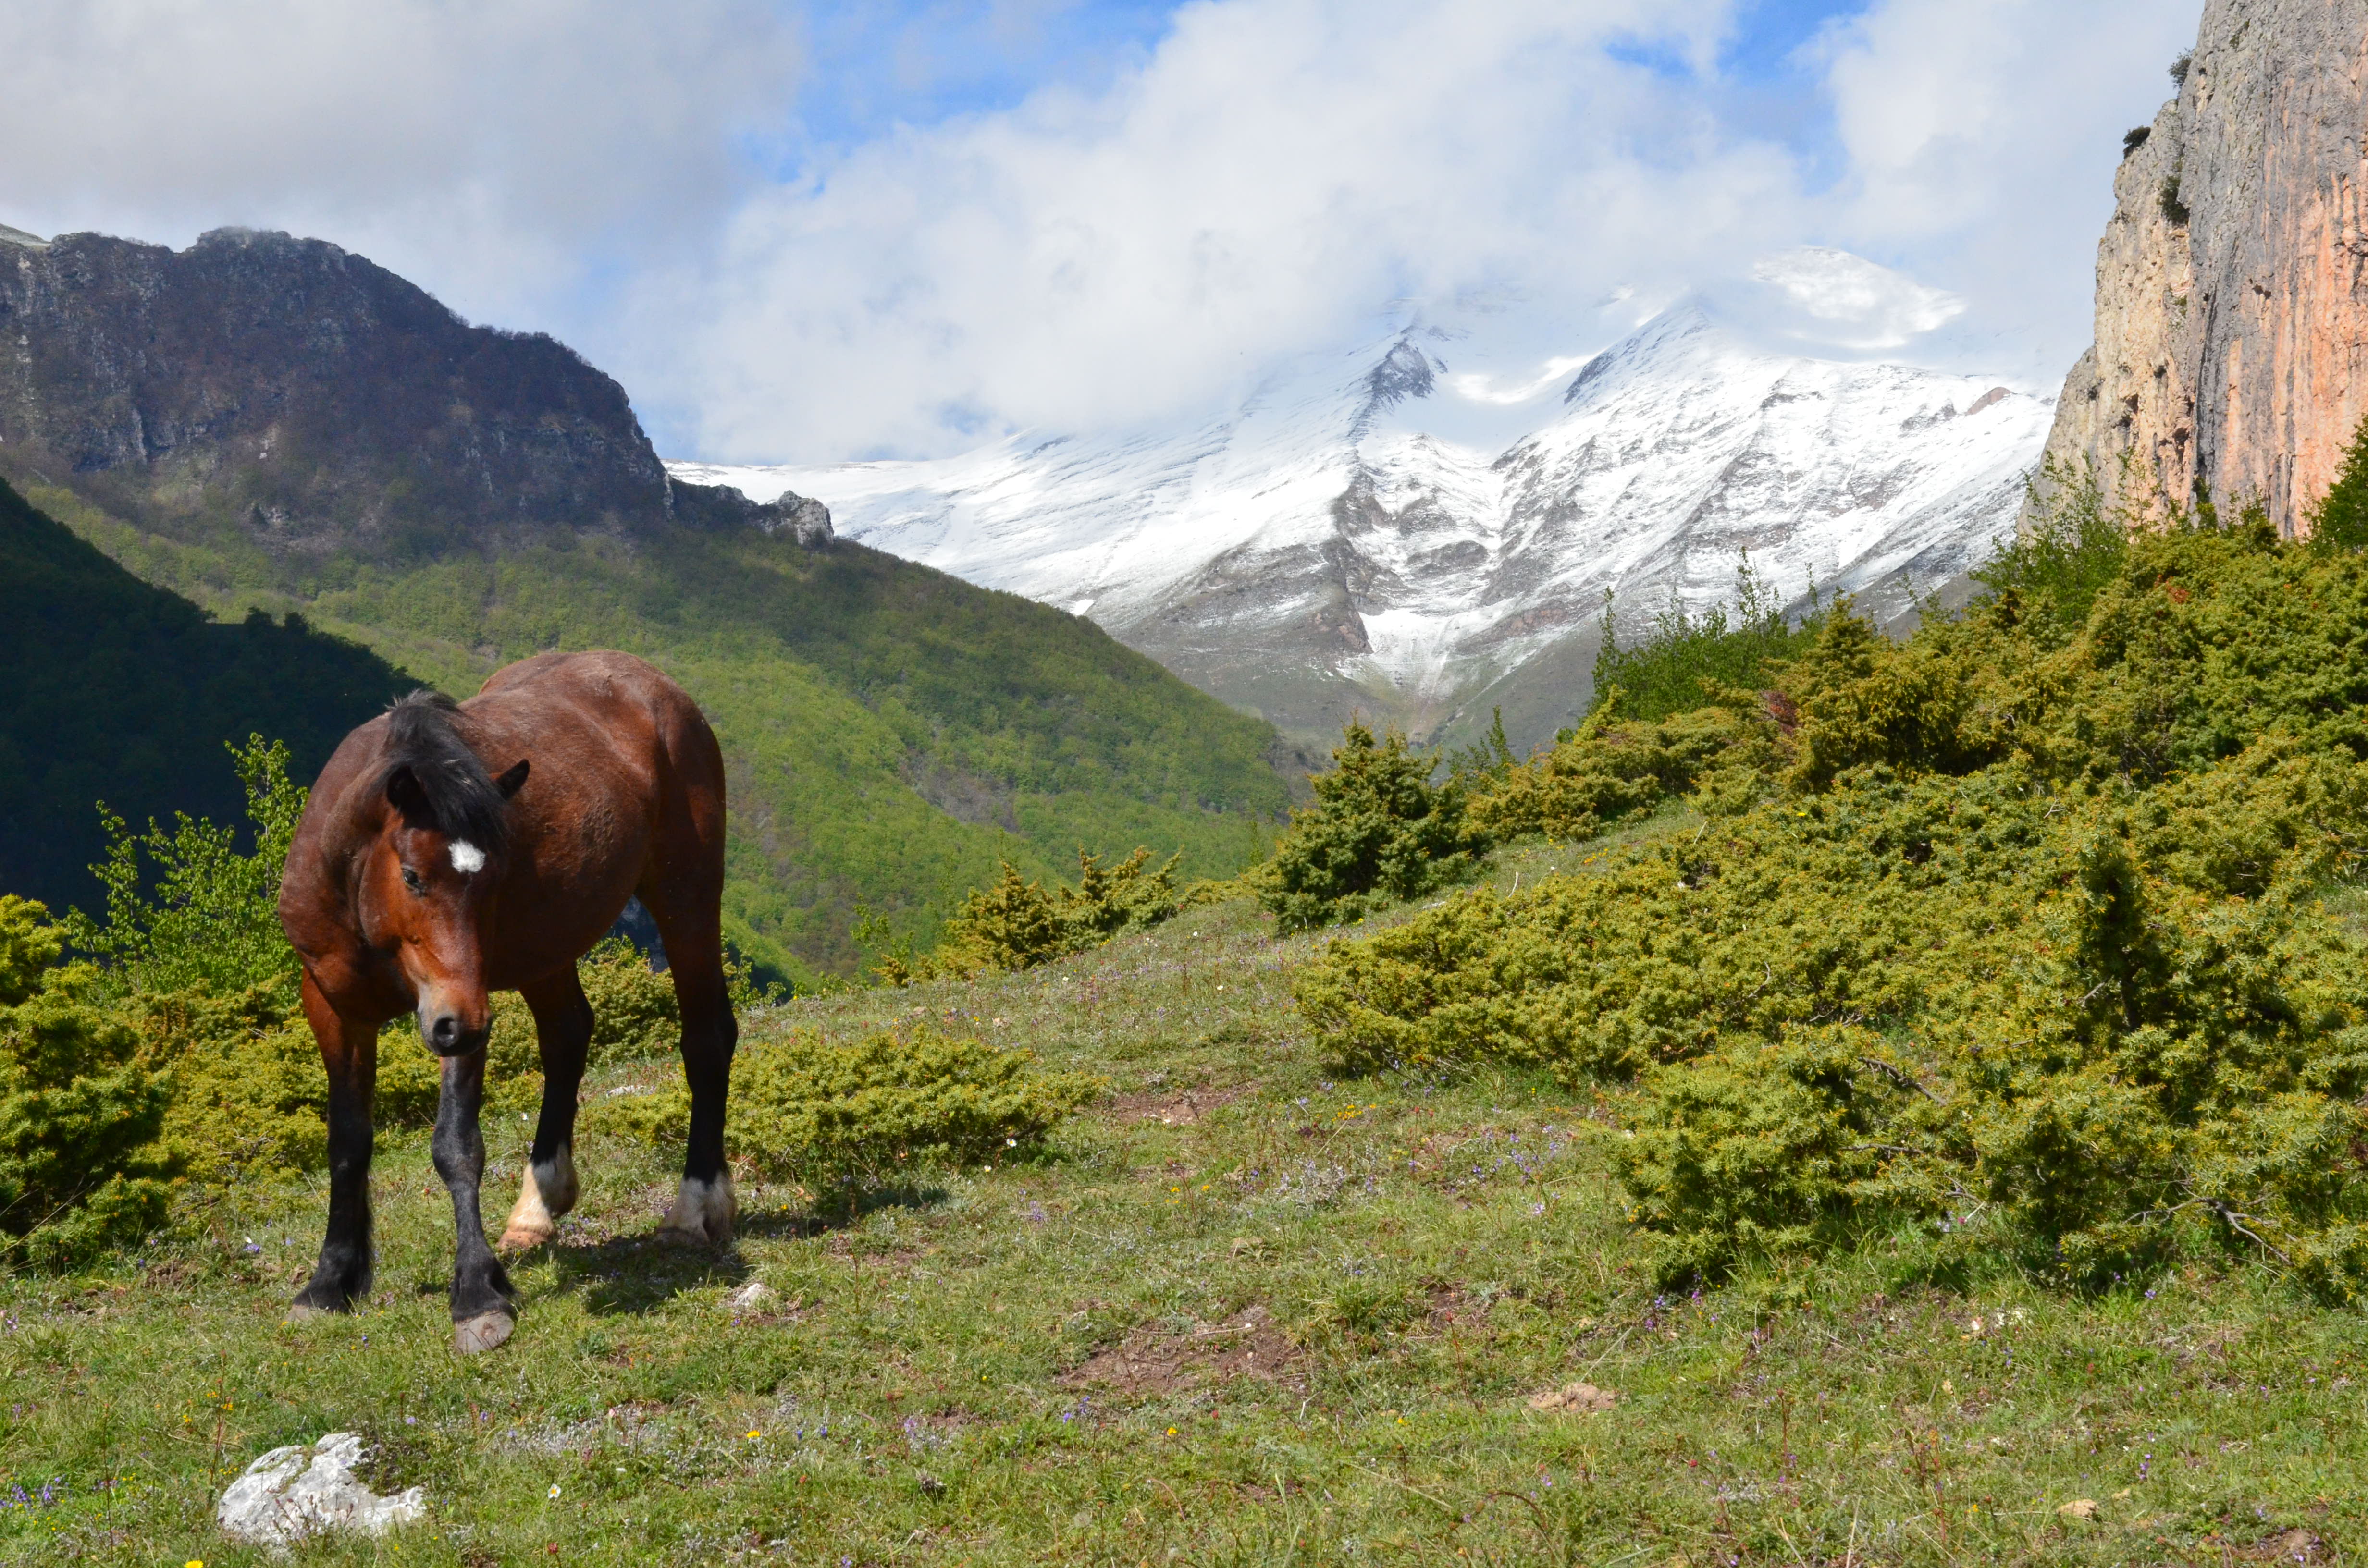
(467, 858)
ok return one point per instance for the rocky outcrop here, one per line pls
(2231, 359)
(296, 392)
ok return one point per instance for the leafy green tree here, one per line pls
(187, 910)
(2071, 547)
(1683, 658)
(1379, 831)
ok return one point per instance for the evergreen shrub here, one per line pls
(1379, 832)
(2021, 948)
(1019, 924)
(841, 1115)
(81, 1165)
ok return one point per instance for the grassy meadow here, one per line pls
(1241, 1312)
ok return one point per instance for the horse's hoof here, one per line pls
(483, 1332)
(701, 1215)
(535, 1217)
(524, 1238)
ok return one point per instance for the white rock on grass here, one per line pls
(294, 1492)
(755, 1296)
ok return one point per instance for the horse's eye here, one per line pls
(411, 879)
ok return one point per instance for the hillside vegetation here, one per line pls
(892, 733)
(1906, 1113)
(1242, 1310)
(2009, 942)
(127, 693)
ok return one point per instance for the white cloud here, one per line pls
(1267, 178)
(1980, 142)
(1278, 169)
(1277, 172)
(491, 150)
(1851, 300)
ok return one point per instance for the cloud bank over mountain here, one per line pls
(807, 233)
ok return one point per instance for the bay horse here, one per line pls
(452, 850)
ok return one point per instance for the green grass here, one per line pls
(1243, 1313)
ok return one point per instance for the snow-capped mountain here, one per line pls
(1423, 531)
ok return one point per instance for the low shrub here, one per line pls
(1019, 924)
(635, 1018)
(2022, 948)
(81, 1165)
(1606, 771)
(1379, 832)
(249, 1096)
(833, 1116)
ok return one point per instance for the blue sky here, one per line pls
(876, 65)
(879, 64)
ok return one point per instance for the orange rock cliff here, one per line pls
(2231, 358)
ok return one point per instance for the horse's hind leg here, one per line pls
(563, 1027)
(704, 1210)
(482, 1313)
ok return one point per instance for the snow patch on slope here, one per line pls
(1409, 524)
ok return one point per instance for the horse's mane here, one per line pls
(463, 801)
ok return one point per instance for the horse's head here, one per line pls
(428, 881)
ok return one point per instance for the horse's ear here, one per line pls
(405, 794)
(510, 783)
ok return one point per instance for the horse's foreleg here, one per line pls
(704, 1210)
(563, 1027)
(349, 1054)
(482, 1314)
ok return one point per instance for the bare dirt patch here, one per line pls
(2291, 1546)
(1152, 1361)
(1576, 1399)
(1451, 1308)
(1168, 1107)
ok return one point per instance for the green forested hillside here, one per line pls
(893, 732)
(121, 691)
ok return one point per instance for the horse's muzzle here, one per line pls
(445, 1036)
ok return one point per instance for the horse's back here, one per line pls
(603, 701)
(626, 785)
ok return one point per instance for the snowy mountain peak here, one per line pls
(1405, 372)
(1421, 532)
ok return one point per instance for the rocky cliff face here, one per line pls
(2231, 358)
(296, 393)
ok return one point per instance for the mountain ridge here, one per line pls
(1322, 548)
(366, 416)
(273, 427)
